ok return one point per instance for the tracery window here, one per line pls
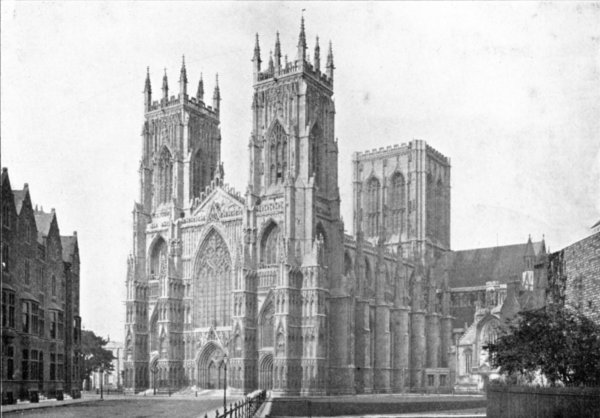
(199, 168)
(268, 248)
(213, 283)
(430, 210)
(316, 154)
(158, 259)
(440, 223)
(266, 330)
(165, 177)
(277, 154)
(372, 204)
(397, 203)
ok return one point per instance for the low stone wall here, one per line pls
(537, 402)
(369, 405)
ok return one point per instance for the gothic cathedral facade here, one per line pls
(267, 282)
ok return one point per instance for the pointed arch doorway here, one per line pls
(265, 372)
(211, 373)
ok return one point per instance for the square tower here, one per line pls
(181, 146)
(402, 195)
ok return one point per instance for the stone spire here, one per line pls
(183, 78)
(317, 60)
(200, 92)
(217, 94)
(301, 42)
(165, 86)
(277, 53)
(330, 67)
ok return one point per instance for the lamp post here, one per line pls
(225, 360)
(154, 370)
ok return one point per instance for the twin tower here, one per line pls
(267, 282)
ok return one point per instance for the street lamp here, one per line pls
(154, 370)
(225, 360)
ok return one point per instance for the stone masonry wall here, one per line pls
(582, 269)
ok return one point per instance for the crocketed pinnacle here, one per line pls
(147, 86)
(200, 92)
(183, 72)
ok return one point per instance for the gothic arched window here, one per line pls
(397, 203)
(440, 219)
(372, 203)
(316, 155)
(198, 171)
(268, 247)
(158, 259)
(266, 327)
(430, 207)
(278, 153)
(212, 284)
(165, 177)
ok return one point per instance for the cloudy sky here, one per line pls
(509, 91)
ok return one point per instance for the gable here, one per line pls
(220, 203)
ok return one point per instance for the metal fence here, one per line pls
(245, 408)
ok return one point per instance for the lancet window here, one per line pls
(431, 203)
(164, 183)
(199, 172)
(268, 247)
(397, 203)
(278, 160)
(316, 155)
(372, 204)
(158, 260)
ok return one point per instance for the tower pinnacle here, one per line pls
(200, 92)
(217, 94)
(302, 42)
(147, 91)
(165, 86)
(330, 66)
(277, 53)
(317, 56)
(183, 78)
(147, 86)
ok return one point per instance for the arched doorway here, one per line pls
(211, 373)
(265, 372)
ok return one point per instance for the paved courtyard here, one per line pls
(134, 407)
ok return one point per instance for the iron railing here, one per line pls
(245, 408)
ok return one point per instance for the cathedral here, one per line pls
(265, 286)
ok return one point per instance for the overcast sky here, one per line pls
(509, 91)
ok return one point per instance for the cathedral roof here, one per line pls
(478, 266)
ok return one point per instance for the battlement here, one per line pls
(191, 101)
(396, 149)
(438, 155)
(382, 151)
(295, 67)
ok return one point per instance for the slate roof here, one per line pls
(43, 221)
(468, 268)
(19, 197)
(68, 246)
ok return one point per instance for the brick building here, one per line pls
(40, 300)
